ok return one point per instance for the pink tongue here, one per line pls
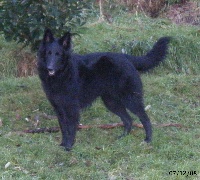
(51, 73)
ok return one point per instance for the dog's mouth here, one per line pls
(51, 73)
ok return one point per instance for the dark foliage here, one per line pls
(25, 20)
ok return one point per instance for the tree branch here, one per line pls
(102, 126)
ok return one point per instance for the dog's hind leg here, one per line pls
(116, 107)
(135, 104)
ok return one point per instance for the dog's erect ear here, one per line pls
(65, 41)
(48, 36)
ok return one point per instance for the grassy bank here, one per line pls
(172, 91)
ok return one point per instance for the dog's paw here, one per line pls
(147, 140)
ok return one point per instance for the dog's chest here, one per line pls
(60, 86)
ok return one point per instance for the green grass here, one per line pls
(97, 153)
(172, 91)
(7, 60)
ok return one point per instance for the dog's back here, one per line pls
(142, 63)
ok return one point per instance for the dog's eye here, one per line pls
(57, 54)
(49, 53)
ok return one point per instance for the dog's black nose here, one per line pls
(50, 69)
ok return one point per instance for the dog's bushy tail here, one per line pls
(153, 58)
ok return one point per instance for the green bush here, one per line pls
(25, 20)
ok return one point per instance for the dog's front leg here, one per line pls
(68, 124)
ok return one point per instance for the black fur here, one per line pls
(72, 82)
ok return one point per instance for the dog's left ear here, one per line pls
(65, 41)
(48, 36)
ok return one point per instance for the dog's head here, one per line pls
(54, 53)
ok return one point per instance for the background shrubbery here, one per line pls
(25, 20)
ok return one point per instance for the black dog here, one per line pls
(72, 82)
